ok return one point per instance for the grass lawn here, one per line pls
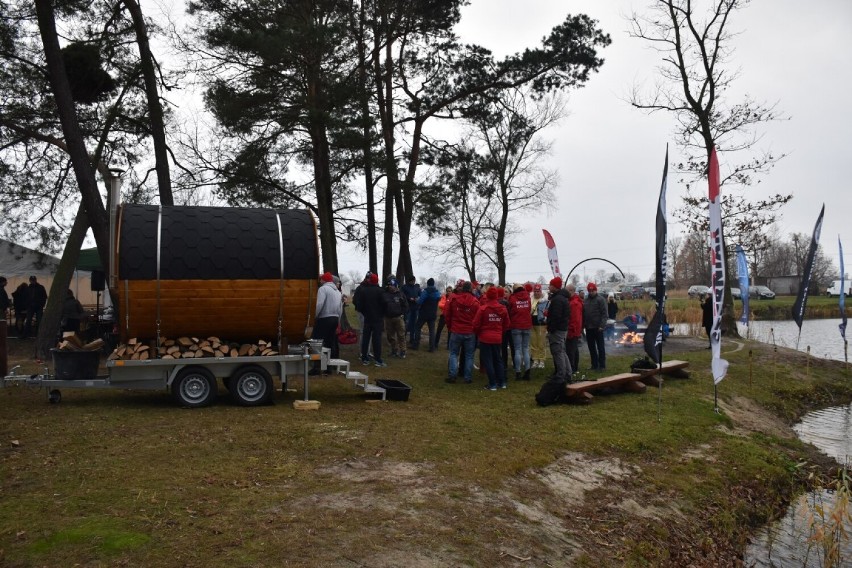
(456, 476)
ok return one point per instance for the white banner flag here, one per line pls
(717, 280)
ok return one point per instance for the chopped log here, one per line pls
(166, 356)
(94, 345)
(235, 353)
(132, 341)
(172, 350)
(204, 343)
(185, 341)
(168, 342)
(187, 354)
(214, 339)
(244, 349)
(113, 356)
(121, 351)
(143, 355)
(252, 350)
(207, 350)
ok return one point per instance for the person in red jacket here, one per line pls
(575, 327)
(492, 321)
(461, 310)
(520, 316)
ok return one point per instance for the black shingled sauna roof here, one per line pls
(216, 243)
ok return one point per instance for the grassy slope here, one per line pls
(111, 477)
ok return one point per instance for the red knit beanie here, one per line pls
(556, 282)
(327, 277)
(374, 278)
(492, 293)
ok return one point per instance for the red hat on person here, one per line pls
(556, 282)
(501, 292)
(592, 287)
(492, 293)
(327, 277)
(537, 287)
(528, 287)
(374, 278)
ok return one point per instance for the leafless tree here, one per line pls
(695, 41)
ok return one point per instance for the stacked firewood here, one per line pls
(72, 342)
(190, 347)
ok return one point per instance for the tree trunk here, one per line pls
(384, 96)
(83, 170)
(325, 212)
(372, 251)
(48, 328)
(155, 109)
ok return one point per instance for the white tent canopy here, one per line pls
(18, 263)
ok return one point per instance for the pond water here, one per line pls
(790, 541)
(822, 335)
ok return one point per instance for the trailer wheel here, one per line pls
(251, 386)
(54, 396)
(194, 387)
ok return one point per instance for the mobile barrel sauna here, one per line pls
(236, 273)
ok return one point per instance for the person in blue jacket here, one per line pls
(427, 311)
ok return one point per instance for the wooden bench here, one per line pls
(629, 382)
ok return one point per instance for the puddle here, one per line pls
(794, 540)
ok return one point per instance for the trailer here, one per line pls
(240, 273)
(193, 383)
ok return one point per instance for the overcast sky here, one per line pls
(610, 156)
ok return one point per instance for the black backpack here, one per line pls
(552, 392)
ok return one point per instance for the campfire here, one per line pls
(630, 338)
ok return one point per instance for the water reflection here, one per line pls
(788, 542)
(822, 336)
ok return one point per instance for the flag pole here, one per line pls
(660, 382)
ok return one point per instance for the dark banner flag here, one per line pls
(802, 297)
(653, 340)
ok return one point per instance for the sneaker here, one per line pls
(450, 380)
(490, 388)
(475, 366)
(503, 386)
(394, 353)
(518, 376)
(402, 354)
(365, 361)
(381, 364)
(467, 381)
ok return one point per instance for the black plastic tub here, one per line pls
(75, 365)
(394, 390)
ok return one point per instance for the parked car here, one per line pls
(737, 295)
(697, 290)
(760, 292)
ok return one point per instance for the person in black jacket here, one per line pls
(36, 299)
(4, 297)
(707, 316)
(558, 313)
(368, 301)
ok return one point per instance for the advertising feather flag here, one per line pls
(742, 276)
(842, 293)
(717, 258)
(551, 253)
(802, 297)
(653, 340)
